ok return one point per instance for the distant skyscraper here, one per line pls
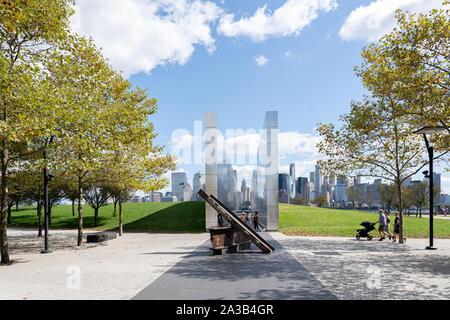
(437, 183)
(303, 188)
(283, 187)
(341, 190)
(197, 184)
(407, 182)
(244, 191)
(293, 178)
(317, 181)
(311, 177)
(179, 181)
(437, 180)
(187, 193)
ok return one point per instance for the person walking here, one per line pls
(255, 220)
(396, 227)
(382, 223)
(388, 221)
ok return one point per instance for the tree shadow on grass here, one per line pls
(66, 223)
(180, 217)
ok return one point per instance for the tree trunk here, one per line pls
(50, 213)
(80, 213)
(73, 207)
(400, 206)
(95, 217)
(17, 206)
(115, 206)
(420, 211)
(39, 214)
(4, 207)
(9, 215)
(120, 216)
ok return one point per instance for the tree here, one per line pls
(96, 197)
(320, 201)
(369, 197)
(387, 195)
(70, 191)
(419, 195)
(374, 140)
(55, 194)
(412, 64)
(299, 200)
(135, 162)
(115, 192)
(354, 195)
(82, 78)
(27, 28)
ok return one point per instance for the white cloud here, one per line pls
(376, 19)
(445, 183)
(138, 35)
(261, 60)
(288, 54)
(289, 19)
(294, 142)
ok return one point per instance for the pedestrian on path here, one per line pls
(255, 220)
(382, 224)
(396, 226)
(388, 221)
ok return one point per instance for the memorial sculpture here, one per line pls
(235, 237)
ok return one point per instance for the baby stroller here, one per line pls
(368, 226)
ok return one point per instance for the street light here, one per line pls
(47, 177)
(429, 174)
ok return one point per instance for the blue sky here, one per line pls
(198, 56)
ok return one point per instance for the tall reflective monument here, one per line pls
(221, 175)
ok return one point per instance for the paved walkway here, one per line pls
(249, 275)
(364, 269)
(180, 266)
(116, 269)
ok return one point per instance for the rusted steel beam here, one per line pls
(237, 223)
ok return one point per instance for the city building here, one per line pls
(317, 182)
(303, 188)
(198, 182)
(284, 186)
(293, 178)
(341, 190)
(179, 181)
(136, 199)
(156, 196)
(187, 193)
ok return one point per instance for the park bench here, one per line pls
(100, 236)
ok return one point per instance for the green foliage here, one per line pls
(320, 201)
(412, 64)
(56, 83)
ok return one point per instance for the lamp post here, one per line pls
(47, 177)
(429, 174)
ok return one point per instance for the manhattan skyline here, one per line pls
(301, 66)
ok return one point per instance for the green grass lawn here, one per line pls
(157, 217)
(309, 221)
(190, 217)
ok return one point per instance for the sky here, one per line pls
(240, 59)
